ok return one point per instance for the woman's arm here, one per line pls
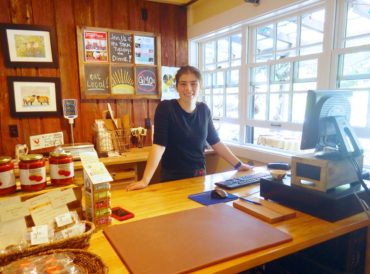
(222, 150)
(154, 157)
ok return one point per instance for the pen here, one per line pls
(249, 201)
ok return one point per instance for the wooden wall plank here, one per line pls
(168, 21)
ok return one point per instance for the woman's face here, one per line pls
(188, 87)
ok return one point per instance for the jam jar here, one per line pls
(7, 178)
(61, 168)
(32, 172)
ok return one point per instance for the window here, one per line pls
(256, 76)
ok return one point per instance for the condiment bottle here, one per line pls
(32, 172)
(61, 167)
(7, 178)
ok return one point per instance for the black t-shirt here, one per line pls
(183, 134)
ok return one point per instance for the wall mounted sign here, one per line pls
(116, 64)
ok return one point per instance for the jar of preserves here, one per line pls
(32, 172)
(7, 178)
(61, 168)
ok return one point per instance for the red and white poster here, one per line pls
(95, 46)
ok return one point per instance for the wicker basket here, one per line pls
(80, 241)
(89, 262)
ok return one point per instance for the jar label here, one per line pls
(61, 171)
(7, 179)
(33, 176)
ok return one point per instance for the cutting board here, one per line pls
(268, 211)
(189, 240)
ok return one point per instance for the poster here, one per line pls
(146, 80)
(169, 83)
(96, 79)
(95, 46)
(120, 47)
(144, 50)
(122, 79)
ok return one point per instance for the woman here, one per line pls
(182, 129)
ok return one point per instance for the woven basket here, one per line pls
(88, 261)
(80, 241)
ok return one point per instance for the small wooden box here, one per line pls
(320, 174)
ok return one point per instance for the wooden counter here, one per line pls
(164, 198)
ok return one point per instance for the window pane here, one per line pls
(307, 69)
(258, 103)
(218, 91)
(279, 87)
(312, 28)
(310, 50)
(229, 132)
(232, 103)
(207, 79)
(218, 78)
(279, 139)
(209, 53)
(304, 86)
(218, 106)
(259, 74)
(359, 108)
(223, 49)
(358, 19)
(207, 91)
(265, 41)
(233, 77)
(236, 46)
(264, 58)
(279, 107)
(357, 42)
(299, 107)
(232, 90)
(207, 100)
(356, 63)
(281, 72)
(286, 34)
(259, 88)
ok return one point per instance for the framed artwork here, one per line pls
(34, 96)
(29, 46)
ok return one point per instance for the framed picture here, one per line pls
(34, 96)
(29, 46)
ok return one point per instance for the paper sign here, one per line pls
(88, 158)
(46, 140)
(12, 232)
(63, 219)
(98, 173)
(39, 235)
(13, 210)
(61, 198)
(46, 214)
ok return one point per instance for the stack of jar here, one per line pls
(32, 171)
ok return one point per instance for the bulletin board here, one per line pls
(116, 64)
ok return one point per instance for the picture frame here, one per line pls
(34, 96)
(29, 46)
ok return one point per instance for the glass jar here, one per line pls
(61, 168)
(32, 172)
(7, 178)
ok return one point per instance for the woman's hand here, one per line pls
(137, 185)
(245, 167)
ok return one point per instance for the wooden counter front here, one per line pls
(164, 198)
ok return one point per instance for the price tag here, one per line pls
(39, 235)
(63, 219)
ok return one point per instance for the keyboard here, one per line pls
(243, 180)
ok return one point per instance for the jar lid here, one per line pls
(5, 159)
(60, 153)
(31, 157)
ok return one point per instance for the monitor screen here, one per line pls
(326, 123)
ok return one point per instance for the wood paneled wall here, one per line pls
(169, 21)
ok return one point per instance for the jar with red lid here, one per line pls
(61, 168)
(32, 172)
(7, 178)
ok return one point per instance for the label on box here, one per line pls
(63, 219)
(39, 235)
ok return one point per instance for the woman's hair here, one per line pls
(186, 70)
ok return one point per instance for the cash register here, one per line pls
(326, 183)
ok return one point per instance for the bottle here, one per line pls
(61, 167)
(7, 178)
(32, 172)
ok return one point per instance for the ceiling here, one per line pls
(174, 2)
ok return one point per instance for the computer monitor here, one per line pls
(326, 125)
